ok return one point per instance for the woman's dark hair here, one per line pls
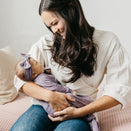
(77, 51)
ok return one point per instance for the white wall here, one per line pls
(21, 26)
(112, 15)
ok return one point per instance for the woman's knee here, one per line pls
(35, 118)
(73, 125)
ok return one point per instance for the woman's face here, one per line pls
(55, 23)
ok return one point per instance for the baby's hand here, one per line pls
(74, 93)
(47, 70)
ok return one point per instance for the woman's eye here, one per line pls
(55, 23)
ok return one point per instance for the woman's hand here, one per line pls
(58, 101)
(68, 113)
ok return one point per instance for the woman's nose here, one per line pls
(54, 29)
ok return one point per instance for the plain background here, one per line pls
(21, 26)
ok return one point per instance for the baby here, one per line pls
(29, 69)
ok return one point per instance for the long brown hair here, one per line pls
(77, 51)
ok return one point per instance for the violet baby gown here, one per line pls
(49, 82)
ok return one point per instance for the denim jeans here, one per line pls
(36, 119)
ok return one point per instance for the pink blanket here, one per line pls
(116, 119)
(10, 112)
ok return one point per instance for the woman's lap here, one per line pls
(73, 125)
(36, 119)
(32, 120)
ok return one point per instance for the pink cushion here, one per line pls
(10, 112)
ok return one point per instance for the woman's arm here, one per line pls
(101, 104)
(57, 101)
(35, 91)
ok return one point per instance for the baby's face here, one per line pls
(37, 67)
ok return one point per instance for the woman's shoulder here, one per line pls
(102, 36)
(106, 39)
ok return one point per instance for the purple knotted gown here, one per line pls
(49, 82)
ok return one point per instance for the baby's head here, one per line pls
(27, 69)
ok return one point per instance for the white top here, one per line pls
(112, 61)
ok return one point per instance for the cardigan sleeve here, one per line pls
(118, 77)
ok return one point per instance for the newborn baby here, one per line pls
(29, 69)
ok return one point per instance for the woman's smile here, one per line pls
(55, 23)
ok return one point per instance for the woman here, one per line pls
(79, 57)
